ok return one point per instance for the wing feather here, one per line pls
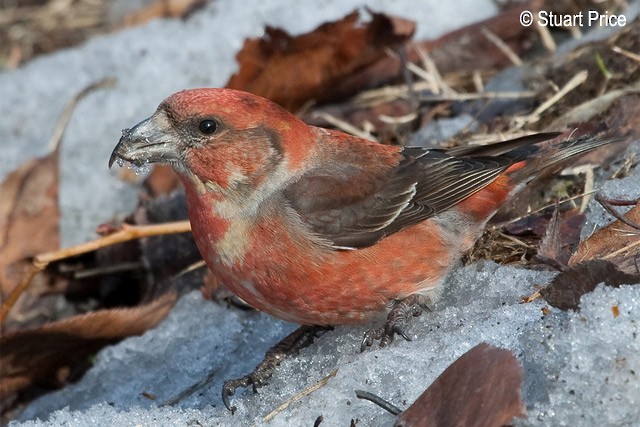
(351, 204)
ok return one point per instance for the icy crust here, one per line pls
(588, 362)
(580, 367)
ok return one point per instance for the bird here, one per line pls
(322, 228)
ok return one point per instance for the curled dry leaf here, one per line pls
(551, 243)
(481, 388)
(49, 354)
(294, 70)
(617, 242)
(29, 217)
(463, 51)
(566, 289)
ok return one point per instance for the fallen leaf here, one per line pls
(571, 222)
(292, 70)
(466, 50)
(617, 242)
(566, 289)
(29, 217)
(481, 388)
(551, 244)
(49, 354)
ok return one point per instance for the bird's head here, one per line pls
(219, 138)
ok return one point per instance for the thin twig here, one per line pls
(431, 70)
(559, 202)
(531, 298)
(387, 406)
(608, 203)
(128, 232)
(54, 142)
(473, 96)
(622, 250)
(193, 388)
(408, 78)
(109, 269)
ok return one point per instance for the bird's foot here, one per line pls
(401, 312)
(289, 346)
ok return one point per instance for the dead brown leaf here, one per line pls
(617, 242)
(294, 70)
(48, 355)
(481, 388)
(455, 54)
(566, 289)
(551, 243)
(29, 217)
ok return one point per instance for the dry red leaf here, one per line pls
(566, 289)
(49, 354)
(29, 217)
(293, 70)
(481, 388)
(465, 50)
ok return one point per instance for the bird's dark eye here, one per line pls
(208, 126)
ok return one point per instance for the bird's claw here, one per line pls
(291, 345)
(230, 386)
(400, 314)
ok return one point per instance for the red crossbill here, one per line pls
(318, 227)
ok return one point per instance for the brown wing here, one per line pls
(352, 207)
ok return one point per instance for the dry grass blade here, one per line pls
(504, 48)
(375, 97)
(344, 126)
(547, 39)
(299, 396)
(575, 81)
(626, 53)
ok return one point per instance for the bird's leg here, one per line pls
(401, 312)
(289, 346)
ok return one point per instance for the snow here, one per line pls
(581, 368)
